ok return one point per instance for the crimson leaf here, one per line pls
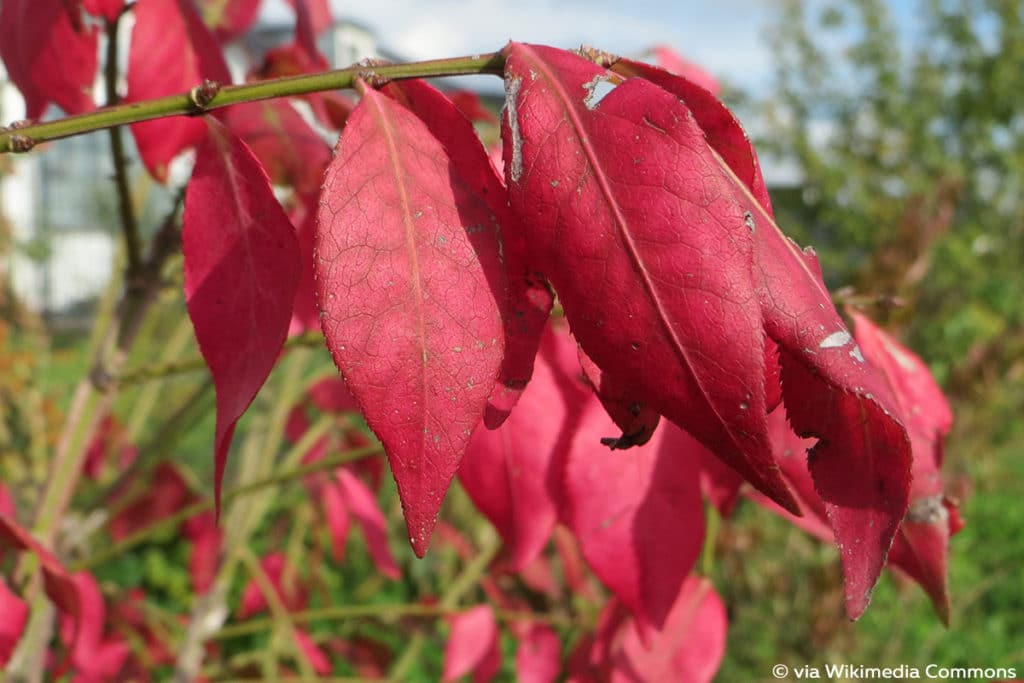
(171, 52)
(406, 259)
(603, 176)
(242, 270)
(47, 56)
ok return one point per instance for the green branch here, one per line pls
(199, 101)
(144, 373)
(383, 611)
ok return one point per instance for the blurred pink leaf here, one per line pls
(472, 646)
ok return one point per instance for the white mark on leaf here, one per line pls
(512, 86)
(856, 354)
(597, 89)
(835, 340)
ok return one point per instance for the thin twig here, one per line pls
(12, 140)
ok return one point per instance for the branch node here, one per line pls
(203, 94)
(369, 75)
(21, 143)
(101, 378)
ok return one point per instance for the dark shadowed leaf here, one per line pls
(305, 316)
(508, 471)
(861, 464)
(166, 493)
(49, 54)
(922, 546)
(171, 52)
(623, 401)
(290, 151)
(602, 175)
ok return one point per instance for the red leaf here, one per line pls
(638, 515)
(861, 465)
(507, 472)
(472, 646)
(47, 57)
(720, 127)
(621, 399)
(922, 545)
(242, 270)
(172, 51)
(290, 151)
(468, 103)
(720, 483)
(305, 316)
(363, 505)
(406, 247)
(670, 60)
(673, 310)
(292, 595)
(229, 19)
(527, 303)
(312, 17)
(93, 658)
(573, 568)
(57, 583)
(316, 12)
(204, 556)
(167, 494)
(338, 519)
(7, 506)
(15, 612)
(331, 108)
(108, 9)
(108, 439)
(538, 655)
(688, 648)
(89, 623)
(316, 657)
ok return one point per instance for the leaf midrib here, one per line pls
(622, 228)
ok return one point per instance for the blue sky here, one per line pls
(725, 36)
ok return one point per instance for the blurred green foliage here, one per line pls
(909, 147)
(907, 142)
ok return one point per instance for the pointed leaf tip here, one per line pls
(242, 269)
(408, 278)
